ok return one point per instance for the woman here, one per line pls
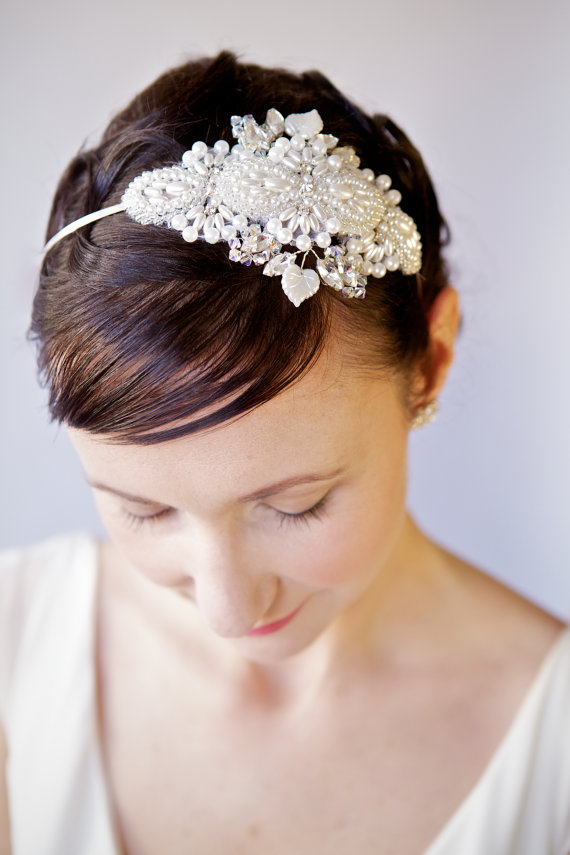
(267, 655)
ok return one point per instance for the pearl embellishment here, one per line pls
(284, 183)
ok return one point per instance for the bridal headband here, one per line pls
(284, 184)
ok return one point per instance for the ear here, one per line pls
(443, 320)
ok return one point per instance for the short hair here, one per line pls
(145, 338)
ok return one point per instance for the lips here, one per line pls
(268, 628)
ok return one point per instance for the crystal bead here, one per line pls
(274, 120)
(351, 292)
(278, 263)
(234, 253)
(329, 274)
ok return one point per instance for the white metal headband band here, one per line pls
(284, 183)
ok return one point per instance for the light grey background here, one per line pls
(482, 87)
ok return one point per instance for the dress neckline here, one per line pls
(95, 677)
(524, 711)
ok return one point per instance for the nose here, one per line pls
(232, 593)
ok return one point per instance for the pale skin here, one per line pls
(380, 700)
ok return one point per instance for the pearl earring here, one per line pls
(425, 415)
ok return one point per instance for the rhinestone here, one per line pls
(329, 274)
(277, 265)
(235, 254)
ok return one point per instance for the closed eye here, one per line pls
(317, 511)
(137, 520)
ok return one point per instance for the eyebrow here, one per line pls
(270, 490)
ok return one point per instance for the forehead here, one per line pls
(320, 422)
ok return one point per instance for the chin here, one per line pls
(271, 649)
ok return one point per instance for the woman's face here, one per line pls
(274, 525)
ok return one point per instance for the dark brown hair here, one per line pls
(138, 332)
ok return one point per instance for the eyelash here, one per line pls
(136, 521)
(317, 512)
(303, 518)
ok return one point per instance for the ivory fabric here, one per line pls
(56, 785)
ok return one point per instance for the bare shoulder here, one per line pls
(499, 619)
(4, 818)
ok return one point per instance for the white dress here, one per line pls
(56, 787)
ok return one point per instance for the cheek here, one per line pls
(155, 560)
(351, 544)
(151, 556)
